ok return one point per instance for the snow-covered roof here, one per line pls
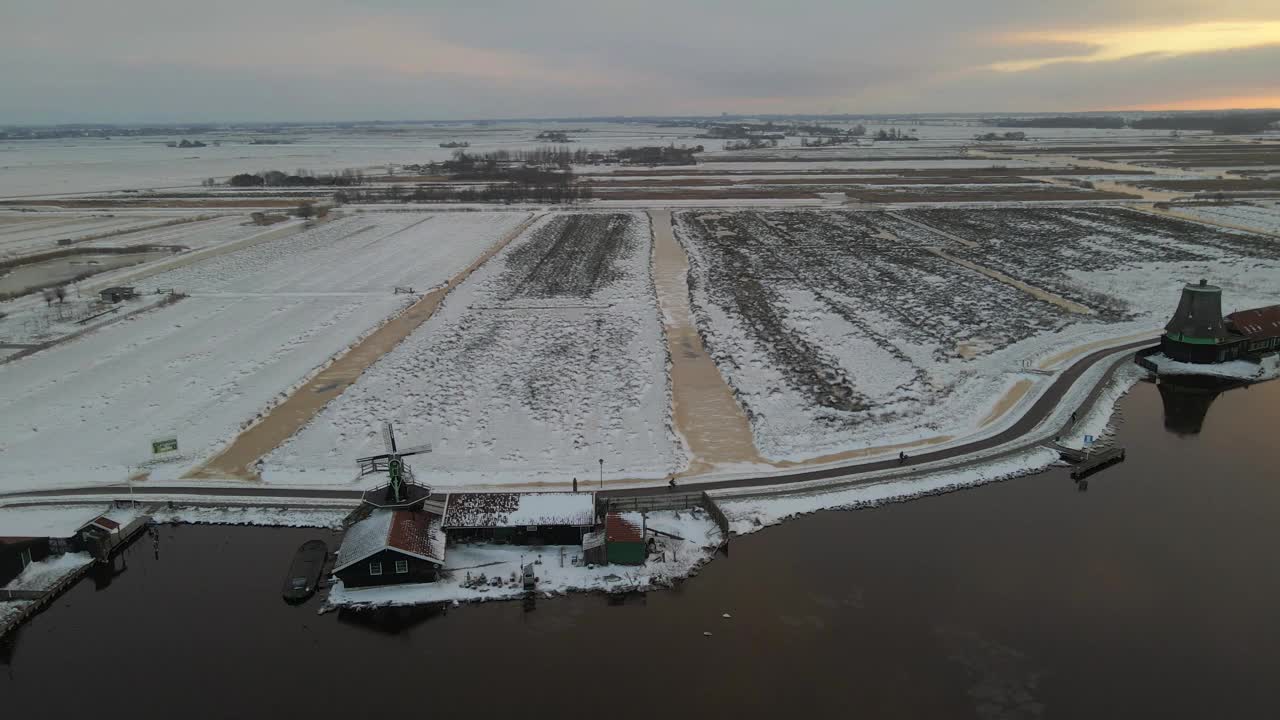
(491, 510)
(56, 522)
(420, 534)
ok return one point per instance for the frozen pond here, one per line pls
(25, 278)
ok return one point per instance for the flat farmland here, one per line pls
(548, 357)
(1121, 263)
(842, 330)
(257, 322)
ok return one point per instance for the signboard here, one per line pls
(164, 445)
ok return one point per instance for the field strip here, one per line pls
(1206, 221)
(1031, 290)
(285, 419)
(934, 230)
(705, 410)
(1005, 403)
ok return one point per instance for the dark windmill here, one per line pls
(400, 492)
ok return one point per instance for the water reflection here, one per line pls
(1187, 399)
(391, 620)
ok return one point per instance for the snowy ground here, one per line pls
(44, 574)
(1269, 369)
(258, 322)
(48, 521)
(842, 330)
(1262, 215)
(274, 517)
(558, 567)
(547, 358)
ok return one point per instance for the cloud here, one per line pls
(74, 60)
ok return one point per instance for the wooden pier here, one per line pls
(1094, 462)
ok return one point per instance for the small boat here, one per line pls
(304, 572)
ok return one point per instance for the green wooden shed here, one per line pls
(624, 541)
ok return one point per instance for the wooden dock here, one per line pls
(37, 600)
(1093, 462)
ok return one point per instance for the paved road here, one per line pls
(1041, 409)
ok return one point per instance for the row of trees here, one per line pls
(507, 192)
(301, 178)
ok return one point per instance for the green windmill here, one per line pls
(399, 475)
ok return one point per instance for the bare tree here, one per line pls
(61, 293)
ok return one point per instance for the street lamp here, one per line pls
(602, 473)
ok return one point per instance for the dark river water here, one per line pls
(1153, 594)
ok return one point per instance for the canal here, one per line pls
(1154, 593)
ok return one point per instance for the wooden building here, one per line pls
(624, 541)
(392, 547)
(554, 518)
(1199, 333)
(117, 294)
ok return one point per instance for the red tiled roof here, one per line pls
(106, 523)
(619, 529)
(413, 532)
(417, 533)
(1263, 322)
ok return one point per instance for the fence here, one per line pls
(670, 501)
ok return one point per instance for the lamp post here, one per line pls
(602, 473)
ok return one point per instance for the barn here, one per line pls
(392, 547)
(553, 518)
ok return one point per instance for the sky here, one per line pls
(282, 60)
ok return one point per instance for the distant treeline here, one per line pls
(302, 178)
(521, 185)
(1065, 121)
(1243, 122)
(497, 165)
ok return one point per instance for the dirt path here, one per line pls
(714, 426)
(1033, 291)
(934, 230)
(285, 419)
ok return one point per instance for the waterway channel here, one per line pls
(1153, 593)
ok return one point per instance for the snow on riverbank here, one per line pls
(1102, 418)
(554, 567)
(752, 514)
(44, 574)
(547, 358)
(1268, 369)
(271, 517)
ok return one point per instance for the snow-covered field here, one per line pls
(547, 358)
(258, 322)
(559, 568)
(1261, 216)
(842, 330)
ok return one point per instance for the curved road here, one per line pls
(1041, 409)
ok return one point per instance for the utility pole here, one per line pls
(601, 473)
